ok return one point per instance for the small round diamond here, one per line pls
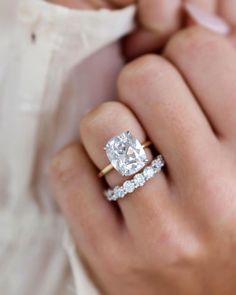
(161, 160)
(156, 165)
(148, 172)
(139, 180)
(109, 194)
(119, 192)
(129, 186)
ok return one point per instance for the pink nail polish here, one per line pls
(207, 20)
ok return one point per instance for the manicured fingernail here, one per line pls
(207, 20)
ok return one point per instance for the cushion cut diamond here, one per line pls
(126, 154)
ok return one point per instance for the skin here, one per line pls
(157, 20)
(176, 235)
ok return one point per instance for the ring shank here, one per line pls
(109, 167)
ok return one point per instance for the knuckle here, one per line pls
(185, 254)
(184, 250)
(192, 42)
(62, 166)
(141, 74)
(101, 115)
(137, 71)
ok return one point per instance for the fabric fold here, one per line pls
(55, 64)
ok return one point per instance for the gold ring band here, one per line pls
(109, 167)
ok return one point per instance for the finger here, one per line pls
(158, 19)
(227, 9)
(100, 125)
(80, 196)
(169, 113)
(208, 63)
(161, 16)
(140, 42)
(97, 128)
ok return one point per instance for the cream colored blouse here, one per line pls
(55, 64)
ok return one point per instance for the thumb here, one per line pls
(160, 16)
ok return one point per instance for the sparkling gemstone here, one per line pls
(129, 186)
(119, 192)
(156, 165)
(139, 180)
(126, 154)
(109, 194)
(148, 172)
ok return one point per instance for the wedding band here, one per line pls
(129, 186)
(126, 154)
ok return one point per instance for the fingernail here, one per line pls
(207, 20)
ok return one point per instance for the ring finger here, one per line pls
(97, 128)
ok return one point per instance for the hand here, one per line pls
(176, 234)
(158, 20)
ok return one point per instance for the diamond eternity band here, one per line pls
(137, 181)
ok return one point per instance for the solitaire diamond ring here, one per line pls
(126, 154)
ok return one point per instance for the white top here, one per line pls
(53, 63)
